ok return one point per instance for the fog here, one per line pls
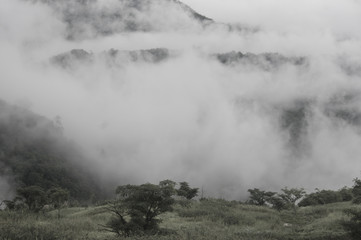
(221, 127)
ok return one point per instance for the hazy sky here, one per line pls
(191, 118)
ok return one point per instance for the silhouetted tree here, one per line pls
(34, 197)
(356, 191)
(187, 192)
(57, 197)
(137, 208)
(259, 197)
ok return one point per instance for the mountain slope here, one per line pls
(93, 18)
(34, 152)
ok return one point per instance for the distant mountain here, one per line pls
(33, 151)
(92, 18)
(113, 57)
(76, 57)
(265, 61)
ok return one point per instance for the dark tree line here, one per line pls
(34, 199)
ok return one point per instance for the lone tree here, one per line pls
(187, 192)
(137, 207)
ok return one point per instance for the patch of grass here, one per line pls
(208, 219)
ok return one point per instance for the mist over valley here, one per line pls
(104, 93)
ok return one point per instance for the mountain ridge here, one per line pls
(93, 18)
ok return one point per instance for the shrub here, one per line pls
(187, 192)
(323, 197)
(231, 220)
(356, 191)
(353, 226)
(259, 197)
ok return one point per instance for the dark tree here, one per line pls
(34, 197)
(168, 185)
(346, 194)
(57, 197)
(278, 203)
(356, 191)
(187, 192)
(259, 197)
(321, 197)
(137, 208)
(353, 226)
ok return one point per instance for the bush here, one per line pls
(356, 191)
(187, 192)
(231, 220)
(259, 197)
(353, 226)
(326, 196)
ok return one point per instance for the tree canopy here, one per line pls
(137, 206)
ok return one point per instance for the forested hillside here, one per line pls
(33, 151)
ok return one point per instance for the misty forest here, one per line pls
(168, 119)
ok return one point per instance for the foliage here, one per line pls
(187, 192)
(211, 219)
(137, 207)
(15, 204)
(291, 196)
(325, 197)
(259, 197)
(356, 191)
(35, 152)
(57, 197)
(34, 197)
(278, 203)
(353, 226)
(346, 194)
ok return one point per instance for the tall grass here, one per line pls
(208, 219)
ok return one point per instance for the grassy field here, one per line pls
(207, 219)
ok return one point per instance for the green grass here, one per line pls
(208, 219)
